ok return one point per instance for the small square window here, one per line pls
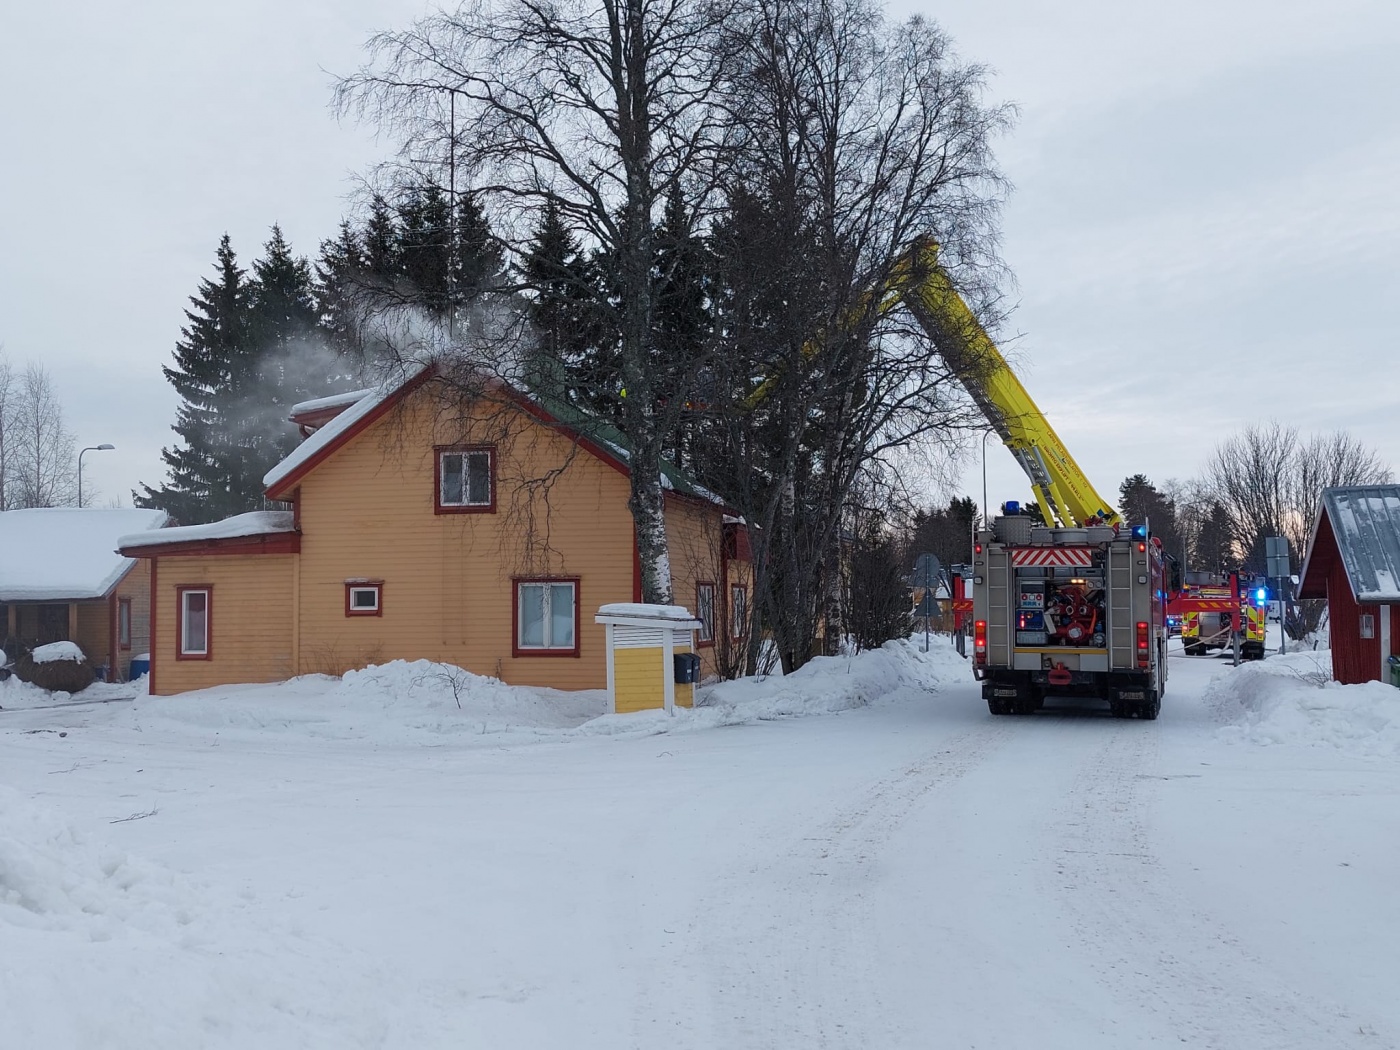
(364, 599)
(466, 481)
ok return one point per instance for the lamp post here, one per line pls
(91, 448)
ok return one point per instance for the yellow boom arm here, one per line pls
(1062, 488)
(926, 290)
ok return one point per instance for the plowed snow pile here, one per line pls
(1292, 700)
(410, 702)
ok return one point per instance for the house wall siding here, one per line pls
(1354, 659)
(250, 620)
(368, 512)
(136, 585)
(94, 631)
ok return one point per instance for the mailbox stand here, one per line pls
(643, 643)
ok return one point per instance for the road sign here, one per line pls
(1276, 554)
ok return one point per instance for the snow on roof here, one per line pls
(1366, 521)
(333, 401)
(648, 612)
(328, 434)
(254, 523)
(67, 554)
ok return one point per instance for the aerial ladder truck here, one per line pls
(1075, 606)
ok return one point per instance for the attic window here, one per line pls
(466, 480)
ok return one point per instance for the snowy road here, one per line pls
(912, 874)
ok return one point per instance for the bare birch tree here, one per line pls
(597, 108)
(7, 429)
(44, 474)
(854, 138)
(1269, 480)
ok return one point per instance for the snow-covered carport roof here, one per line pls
(1361, 526)
(63, 554)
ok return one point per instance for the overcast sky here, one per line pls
(1204, 230)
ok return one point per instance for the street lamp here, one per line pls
(91, 448)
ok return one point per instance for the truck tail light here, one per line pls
(979, 641)
(1142, 643)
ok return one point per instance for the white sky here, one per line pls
(1204, 229)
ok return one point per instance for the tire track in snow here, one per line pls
(1150, 946)
(789, 947)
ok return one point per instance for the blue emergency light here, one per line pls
(1139, 532)
(1011, 506)
(1261, 596)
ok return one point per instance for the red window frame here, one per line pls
(701, 642)
(468, 508)
(124, 623)
(377, 586)
(736, 627)
(180, 592)
(516, 583)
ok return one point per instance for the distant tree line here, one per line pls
(37, 451)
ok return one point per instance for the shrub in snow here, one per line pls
(56, 669)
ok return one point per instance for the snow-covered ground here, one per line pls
(854, 856)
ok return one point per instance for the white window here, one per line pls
(705, 610)
(362, 599)
(547, 616)
(738, 612)
(194, 622)
(464, 479)
(124, 623)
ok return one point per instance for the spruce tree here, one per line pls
(559, 281)
(215, 337)
(338, 291)
(382, 245)
(287, 363)
(425, 247)
(476, 257)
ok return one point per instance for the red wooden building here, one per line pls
(1353, 560)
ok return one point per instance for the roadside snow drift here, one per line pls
(1293, 700)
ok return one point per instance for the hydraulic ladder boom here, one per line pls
(1062, 488)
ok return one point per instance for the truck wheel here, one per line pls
(1149, 709)
(1118, 709)
(998, 707)
(1195, 650)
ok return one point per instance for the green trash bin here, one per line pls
(1394, 664)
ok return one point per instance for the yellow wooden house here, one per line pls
(483, 531)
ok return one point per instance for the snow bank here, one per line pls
(898, 671)
(1292, 700)
(57, 651)
(398, 702)
(416, 701)
(53, 877)
(16, 695)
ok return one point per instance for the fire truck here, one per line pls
(1219, 610)
(1076, 605)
